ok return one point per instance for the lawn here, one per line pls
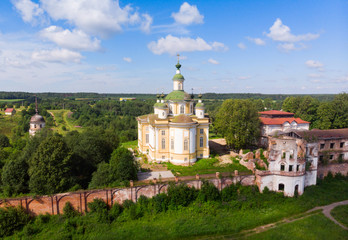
(62, 120)
(340, 213)
(7, 123)
(130, 144)
(313, 227)
(11, 100)
(206, 166)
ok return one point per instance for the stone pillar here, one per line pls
(176, 179)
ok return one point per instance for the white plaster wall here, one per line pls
(310, 178)
(192, 140)
(273, 181)
(200, 113)
(176, 84)
(178, 141)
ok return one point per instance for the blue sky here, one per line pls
(110, 46)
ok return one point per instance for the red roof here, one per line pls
(9, 110)
(280, 121)
(275, 112)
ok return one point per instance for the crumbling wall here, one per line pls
(54, 204)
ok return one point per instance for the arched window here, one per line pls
(182, 109)
(185, 144)
(172, 143)
(191, 108)
(163, 143)
(201, 142)
(163, 114)
(281, 187)
(170, 109)
(180, 86)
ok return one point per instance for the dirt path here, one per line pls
(220, 147)
(325, 210)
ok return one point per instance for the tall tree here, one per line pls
(50, 167)
(238, 121)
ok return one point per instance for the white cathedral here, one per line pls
(178, 130)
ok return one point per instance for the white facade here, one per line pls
(269, 130)
(287, 171)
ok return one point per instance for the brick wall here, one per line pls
(54, 204)
(333, 168)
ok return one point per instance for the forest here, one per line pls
(87, 155)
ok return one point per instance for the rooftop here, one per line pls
(178, 95)
(276, 112)
(324, 134)
(280, 121)
(9, 110)
(182, 118)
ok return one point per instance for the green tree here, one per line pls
(50, 167)
(11, 220)
(238, 121)
(126, 166)
(4, 141)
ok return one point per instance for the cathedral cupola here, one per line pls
(178, 79)
(200, 107)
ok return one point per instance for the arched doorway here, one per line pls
(296, 190)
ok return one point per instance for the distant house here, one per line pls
(274, 121)
(124, 99)
(10, 111)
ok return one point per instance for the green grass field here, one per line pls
(62, 120)
(313, 227)
(11, 100)
(7, 123)
(206, 166)
(340, 213)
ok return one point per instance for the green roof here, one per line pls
(160, 105)
(178, 76)
(178, 95)
(182, 118)
(200, 105)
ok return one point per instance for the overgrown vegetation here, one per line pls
(206, 166)
(185, 212)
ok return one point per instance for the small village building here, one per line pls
(37, 122)
(178, 130)
(274, 122)
(292, 166)
(10, 111)
(332, 143)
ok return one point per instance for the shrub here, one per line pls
(115, 211)
(160, 202)
(208, 192)
(12, 219)
(229, 193)
(99, 209)
(181, 195)
(69, 211)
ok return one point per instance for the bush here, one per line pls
(160, 202)
(115, 211)
(4, 141)
(181, 195)
(229, 193)
(208, 192)
(12, 219)
(99, 209)
(69, 211)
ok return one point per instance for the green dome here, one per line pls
(200, 105)
(178, 95)
(160, 105)
(178, 76)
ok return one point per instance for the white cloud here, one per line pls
(280, 32)
(173, 45)
(145, 25)
(127, 59)
(96, 17)
(257, 41)
(241, 46)
(57, 55)
(28, 10)
(213, 61)
(188, 14)
(75, 39)
(315, 64)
